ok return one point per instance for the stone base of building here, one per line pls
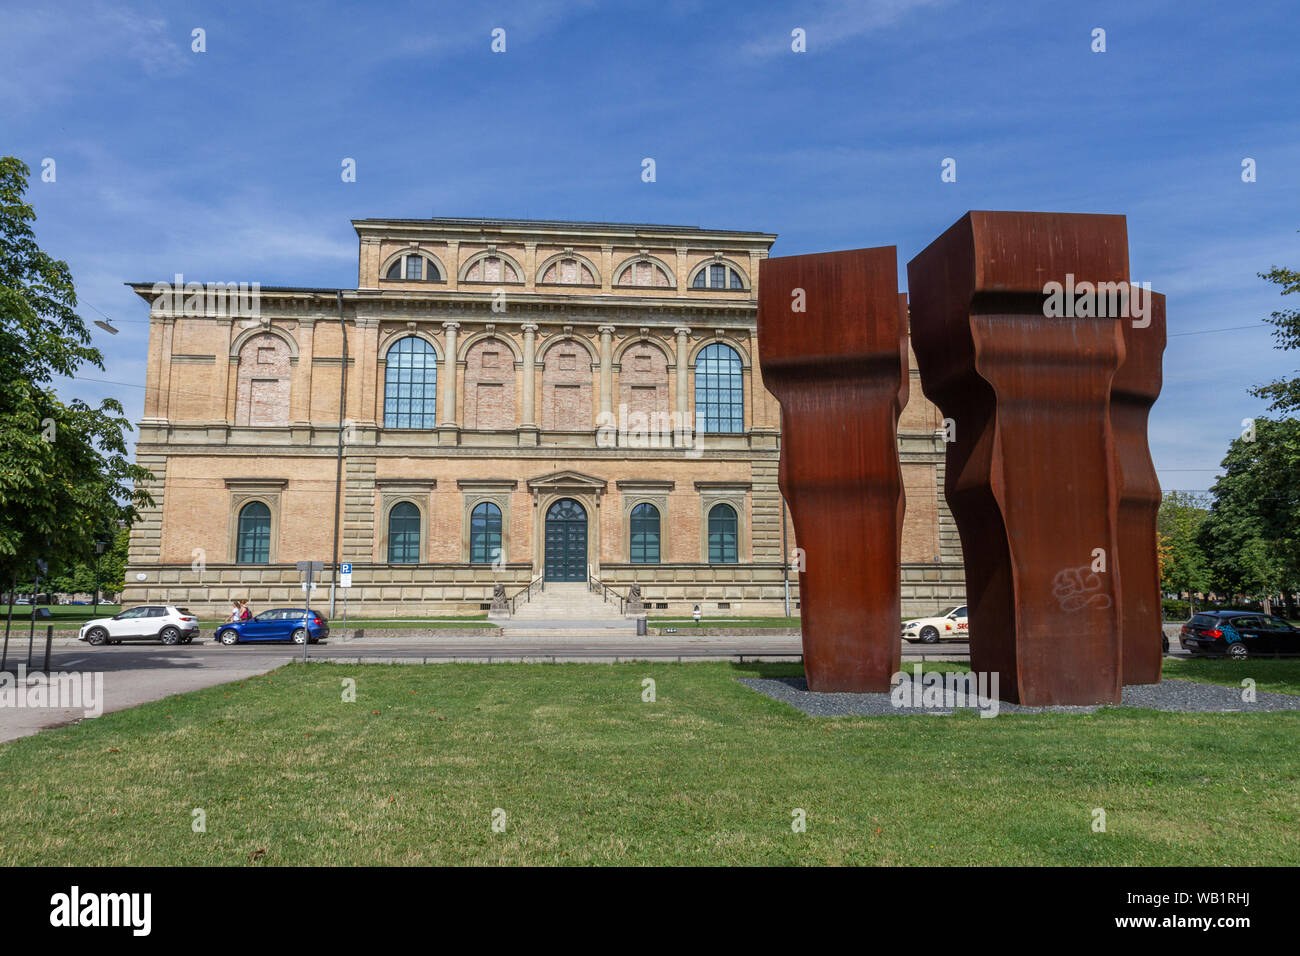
(425, 590)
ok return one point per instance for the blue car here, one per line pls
(278, 624)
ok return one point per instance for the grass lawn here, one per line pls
(587, 772)
(61, 615)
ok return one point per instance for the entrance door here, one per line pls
(566, 541)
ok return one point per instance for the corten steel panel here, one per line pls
(1031, 476)
(1133, 392)
(839, 370)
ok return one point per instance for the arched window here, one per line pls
(414, 268)
(719, 390)
(644, 535)
(253, 545)
(723, 532)
(404, 534)
(718, 275)
(484, 533)
(411, 385)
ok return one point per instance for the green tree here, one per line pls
(1251, 536)
(64, 471)
(105, 572)
(1183, 566)
(1284, 393)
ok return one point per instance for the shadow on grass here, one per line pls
(771, 669)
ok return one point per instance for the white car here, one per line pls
(148, 622)
(948, 625)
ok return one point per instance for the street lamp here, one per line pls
(104, 324)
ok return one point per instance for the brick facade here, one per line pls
(565, 369)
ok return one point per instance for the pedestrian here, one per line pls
(696, 614)
(244, 612)
(233, 616)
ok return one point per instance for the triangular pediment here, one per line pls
(567, 479)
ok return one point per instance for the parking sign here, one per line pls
(345, 575)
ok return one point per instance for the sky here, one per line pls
(224, 165)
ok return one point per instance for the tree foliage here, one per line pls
(1182, 563)
(1251, 536)
(65, 477)
(1284, 393)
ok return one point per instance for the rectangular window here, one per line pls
(414, 267)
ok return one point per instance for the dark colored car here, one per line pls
(1239, 635)
(278, 624)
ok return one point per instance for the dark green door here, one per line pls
(566, 541)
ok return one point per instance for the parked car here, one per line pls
(950, 624)
(278, 624)
(1238, 634)
(147, 622)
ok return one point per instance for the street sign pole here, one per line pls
(345, 582)
(309, 570)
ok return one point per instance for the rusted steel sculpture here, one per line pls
(1134, 391)
(1032, 478)
(832, 342)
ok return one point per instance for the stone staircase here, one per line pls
(568, 606)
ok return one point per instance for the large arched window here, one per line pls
(723, 535)
(404, 534)
(254, 542)
(484, 533)
(411, 385)
(719, 390)
(718, 275)
(644, 535)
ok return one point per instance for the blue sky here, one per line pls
(224, 165)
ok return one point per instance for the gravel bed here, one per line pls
(1176, 696)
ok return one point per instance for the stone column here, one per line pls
(447, 379)
(530, 372)
(683, 372)
(301, 387)
(606, 371)
(528, 426)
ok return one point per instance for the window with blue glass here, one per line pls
(253, 545)
(484, 533)
(717, 276)
(719, 390)
(413, 268)
(723, 535)
(404, 534)
(644, 534)
(411, 385)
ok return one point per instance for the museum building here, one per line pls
(497, 402)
